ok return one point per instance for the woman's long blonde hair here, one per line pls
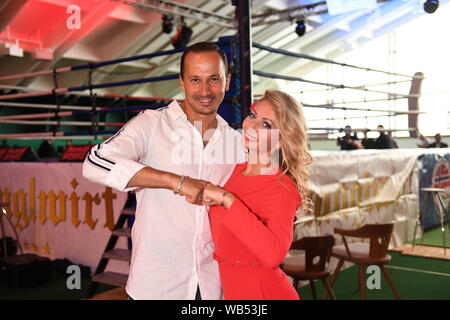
(294, 154)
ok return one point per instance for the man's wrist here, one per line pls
(173, 181)
(180, 184)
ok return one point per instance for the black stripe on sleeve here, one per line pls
(104, 159)
(96, 164)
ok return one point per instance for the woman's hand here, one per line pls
(214, 195)
(193, 189)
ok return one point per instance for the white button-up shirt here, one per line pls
(172, 244)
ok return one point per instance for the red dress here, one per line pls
(253, 236)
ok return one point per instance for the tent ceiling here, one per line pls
(113, 29)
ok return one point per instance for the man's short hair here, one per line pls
(203, 47)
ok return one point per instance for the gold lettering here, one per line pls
(365, 191)
(109, 196)
(326, 203)
(337, 199)
(354, 191)
(88, 209)
(7, 199)
(33, 199)
(375, 190)
(317, 205)
(52, 207)
(22, 212)
(74, 205)
(42, 207)
(344, 196)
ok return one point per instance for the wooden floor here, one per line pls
(424, 251)
(114, 294)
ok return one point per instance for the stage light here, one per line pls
(301, 28)
(430, 6)
(182, 37)
(167, 25)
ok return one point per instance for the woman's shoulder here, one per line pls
(291, 186)
(283, 189)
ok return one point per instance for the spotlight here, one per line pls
(300, 29)
(167, 25)
(182, 37)
(430, 6)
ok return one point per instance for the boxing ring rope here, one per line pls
(364, 88)
(331, 106)
(62, 123)
(364, 116)
(336, 86)
(329, 129)
(79, 110)
(365, 85)
(306, 56)
(98, 94)
(91, 65)
(43, 106)
(48, 135)
(87, 87)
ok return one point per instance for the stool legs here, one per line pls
(333, 278)
(313, 289)
(361, 281)
(441, 211)
(328, 288)
(388, 278)
(423, 209)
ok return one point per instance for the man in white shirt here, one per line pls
(167, 155)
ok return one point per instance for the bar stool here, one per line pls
(434, 192)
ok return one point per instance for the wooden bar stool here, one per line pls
(313, 264)
(364, 254)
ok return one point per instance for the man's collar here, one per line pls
(175, 110)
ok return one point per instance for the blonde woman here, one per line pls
(252, 216)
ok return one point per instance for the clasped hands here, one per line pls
(201, 192)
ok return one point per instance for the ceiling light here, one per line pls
(301, 28)
(167, 25)
(182, 37)
(430, 6)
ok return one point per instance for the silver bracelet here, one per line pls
(180, 184)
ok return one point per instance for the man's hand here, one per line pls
(192, 189)
(212, 195)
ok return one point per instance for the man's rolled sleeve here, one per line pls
(123, 172)
(116, 161)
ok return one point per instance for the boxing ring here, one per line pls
(347, 189)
